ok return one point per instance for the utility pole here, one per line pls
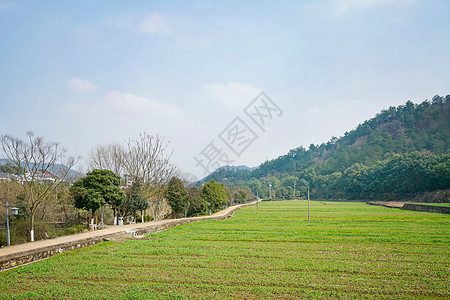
(14, 211)
(257, 199)
(156, 210)
(308, 204)
(185, 209)
(8, 241)
(101, 210)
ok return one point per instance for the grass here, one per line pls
(347, 251)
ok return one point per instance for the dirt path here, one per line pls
(17, 250)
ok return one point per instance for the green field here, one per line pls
(347, 250)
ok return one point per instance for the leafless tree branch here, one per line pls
(37, 161)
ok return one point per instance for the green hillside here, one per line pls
(401, 152)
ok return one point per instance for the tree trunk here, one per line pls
(32, 225)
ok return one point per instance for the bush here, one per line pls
(148, 218)
(3, 241)
(20, 231)
(72, 230)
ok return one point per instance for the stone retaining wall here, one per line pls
(20, 258)
(427, 208)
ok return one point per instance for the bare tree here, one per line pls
(37, 160)
(106, 157)
(145, 159)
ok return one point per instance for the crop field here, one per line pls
(348, 250)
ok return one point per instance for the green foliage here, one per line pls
(215, 194)
(24, 212)
(135, 200)
(72, 230)
(196, 203)
(239, 196)
(177, 196)
(148, 218)
(3, 239)
(97, 188)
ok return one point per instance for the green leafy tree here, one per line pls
(240, 196)
(196, 203)
(137, 202)
(440, 172)
(97, 188)
(255, 186)
(352, 180)
(302, 188)
(215, 194)
(177, 196)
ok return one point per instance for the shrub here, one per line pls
(3, 241)
(72, 230)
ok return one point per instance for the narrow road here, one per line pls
(22, 249)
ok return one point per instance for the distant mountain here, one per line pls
(403, 129)
(418, 133)
(227, 170)
(6, 167)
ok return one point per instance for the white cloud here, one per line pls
(155, 24)
(123, 108)
(119, 115)
(79, 85)
(133, 105)
(233, 94)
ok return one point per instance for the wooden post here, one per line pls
(308, 204)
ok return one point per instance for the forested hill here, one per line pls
(421, 130)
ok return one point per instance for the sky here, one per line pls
(222, 81)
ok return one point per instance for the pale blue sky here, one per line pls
(93, 72)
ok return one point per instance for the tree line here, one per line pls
(136, 178)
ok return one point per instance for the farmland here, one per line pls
(348, 250)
